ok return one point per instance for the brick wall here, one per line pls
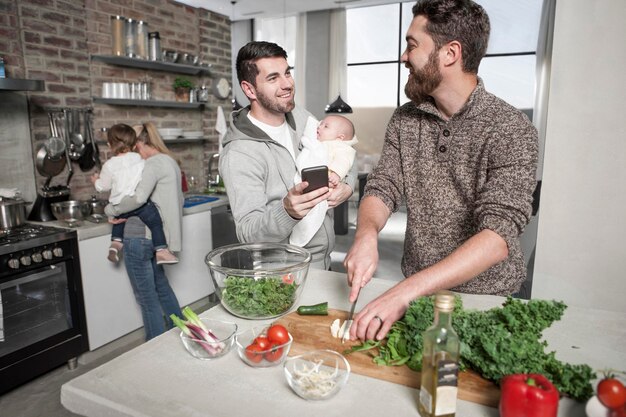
(52, 40)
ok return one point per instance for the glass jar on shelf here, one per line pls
(118, 35)
(131, 38)
(141, 41)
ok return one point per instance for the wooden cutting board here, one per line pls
(313, 332)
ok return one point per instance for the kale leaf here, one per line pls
(497, 342)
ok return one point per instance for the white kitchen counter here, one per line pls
(88, 230)
(159, 378)
(110, 306)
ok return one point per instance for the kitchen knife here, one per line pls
(348, 324)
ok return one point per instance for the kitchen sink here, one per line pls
(195, 200)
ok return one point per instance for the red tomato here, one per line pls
(612, 393)
(278, 334)
(263, 342)
(618, 412)
(288, 278)
(274, 354)
(253, 353)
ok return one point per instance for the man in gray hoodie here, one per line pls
(258, 161)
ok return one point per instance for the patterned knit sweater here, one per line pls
(457, 177)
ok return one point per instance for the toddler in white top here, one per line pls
(120, 175)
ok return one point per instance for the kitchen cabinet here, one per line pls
(110, 306)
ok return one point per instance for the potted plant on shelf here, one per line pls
(182, 86)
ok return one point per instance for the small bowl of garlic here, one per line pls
(318, 374)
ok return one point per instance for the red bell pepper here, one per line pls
(528, 395)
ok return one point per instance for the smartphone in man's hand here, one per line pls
(317, 177)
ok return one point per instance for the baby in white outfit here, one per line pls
(329, 143)
(337, 134)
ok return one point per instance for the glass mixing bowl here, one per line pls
(258, 280)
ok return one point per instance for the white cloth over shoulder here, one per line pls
(221, 127)
(313, 154)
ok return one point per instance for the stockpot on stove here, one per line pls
(12, 212)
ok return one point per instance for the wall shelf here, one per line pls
(19, 84)
(153, 65)
(178, 141)
(147, 103)
(183, 140)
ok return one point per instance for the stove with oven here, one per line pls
(42, 314)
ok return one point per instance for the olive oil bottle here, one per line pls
(440, 362)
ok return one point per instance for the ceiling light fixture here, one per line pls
(337, 62)
(338, 106)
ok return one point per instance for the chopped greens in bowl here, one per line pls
(267, 297)
(258, 280)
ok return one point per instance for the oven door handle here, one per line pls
(50, 270)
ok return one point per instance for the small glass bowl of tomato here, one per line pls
(262, 347)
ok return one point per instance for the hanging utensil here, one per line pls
(70, 171)
(96, 150)
(87, 161)
(76, 137)
(76, 142)
(54, 145)
(48, 166)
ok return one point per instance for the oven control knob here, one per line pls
(47, 254)
(58, 252)
(14, 263)
(37, 258)
(25, 260)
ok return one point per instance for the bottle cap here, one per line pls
(444, 300)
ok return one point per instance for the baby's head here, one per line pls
(335, 127)
(121, 138)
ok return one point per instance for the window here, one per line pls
(281, 31)
(376, 77)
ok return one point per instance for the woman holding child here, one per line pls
(161, 183)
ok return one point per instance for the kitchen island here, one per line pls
(159, 378)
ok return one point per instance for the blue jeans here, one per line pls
(149, 215)
(150, 285)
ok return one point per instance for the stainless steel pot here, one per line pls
(12, 212)
(97, 206)
(97, 209)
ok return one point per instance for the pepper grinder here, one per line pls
(203, 94)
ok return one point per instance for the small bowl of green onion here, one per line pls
(258, 280)
(204, 338)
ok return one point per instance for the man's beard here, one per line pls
(423, 82)
(273, 104)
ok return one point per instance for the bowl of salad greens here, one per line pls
(258, 280)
